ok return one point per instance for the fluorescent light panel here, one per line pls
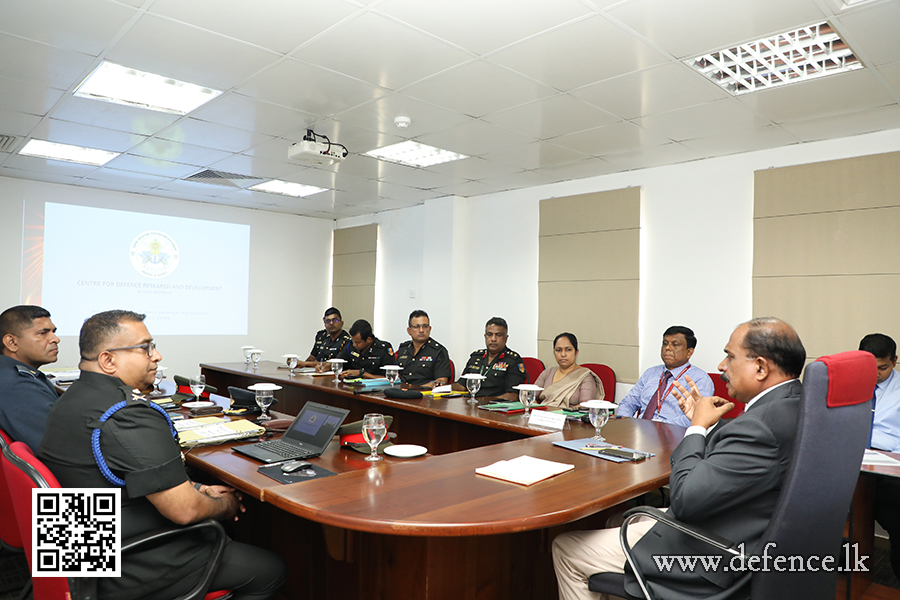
(122, 85)
(65, 152)
(414, 154)
(286, 188)
(799, 55)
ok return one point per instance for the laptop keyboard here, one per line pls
(284, 449)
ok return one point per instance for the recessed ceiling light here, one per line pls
(122, 85)
(414, 154)
(791, 57)
(74, 154)
(286, 188)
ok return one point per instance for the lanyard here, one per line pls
(671, 385)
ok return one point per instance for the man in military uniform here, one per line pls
(424, 361)
(330, 342)
(366, 354)
(118, 360)
(29, 340)
(502, 367)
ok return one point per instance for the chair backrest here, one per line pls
(452, 371)
(533, 368)
(24, 472)
(607, 378)
(9, 528)
(833, 431)
(721, 390)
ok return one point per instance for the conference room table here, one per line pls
(428, 527)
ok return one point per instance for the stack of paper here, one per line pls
(214, 430)
(524, 470)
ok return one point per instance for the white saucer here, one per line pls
(200, 404)
(405, 450)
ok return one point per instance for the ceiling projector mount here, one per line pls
(312, 151)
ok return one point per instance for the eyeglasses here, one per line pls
(331, 321)
(420, 326)
(150, 347)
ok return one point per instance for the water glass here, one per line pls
(374, 431)
(198, 384)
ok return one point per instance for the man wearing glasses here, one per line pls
(118, 362)
(330, 342)
(424, 361)
(503, 368)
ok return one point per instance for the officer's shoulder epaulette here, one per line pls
(512, 353)
(482, 351)
(434, 343)
(26, 371)
(405, 344)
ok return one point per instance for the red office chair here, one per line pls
(24, 472)
(607, 378)
(533, 368)
(721, 390)
(452, 371)
(10, 538)
(836, 405)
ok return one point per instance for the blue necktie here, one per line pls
(872, 426)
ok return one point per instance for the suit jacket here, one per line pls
(728, 484)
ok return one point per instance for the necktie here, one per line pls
(872, 426)
(656, 401)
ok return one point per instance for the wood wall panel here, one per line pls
(353, 278)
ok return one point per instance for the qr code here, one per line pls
(76, 532)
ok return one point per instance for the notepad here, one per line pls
(524, 470)
(215, 430)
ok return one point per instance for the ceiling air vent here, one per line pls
(224, 178)
(7, 142)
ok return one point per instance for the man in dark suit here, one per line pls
(726, 477)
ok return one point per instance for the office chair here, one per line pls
(533, 368)
(832, 433)
(24, 472)
(452, 371)
(721, 390)
(10, 538)
(607, 378)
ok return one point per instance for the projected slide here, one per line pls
(189, 276)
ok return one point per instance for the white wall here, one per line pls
(290, 271)
(696, 251)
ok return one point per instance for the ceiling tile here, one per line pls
(476, 168)
(27, 97)
(38, 63)
(253, 166)
(128, 178)
(153, 166)
(748, 140)
(16, 123)
(381, 51)
(179, 152)
(516, 181)
(873, 32)
(212, 135)
(618, 137)
(209, 190)
(692, 27)
(58, 167)
(84, 26)
(64, 132)
(655, 156)
(308, 88)
(39, 175)
(379, 115)
(188, 54)
(591, 167)
(831, 95)
(235, 110)
(323, 179)
(112, 185)
(474, 138)
(536, 155)
(849, 124)
(551, 117)
(891, 74)
(421, 178)
(477, 89)
(466, 189)
(306, 18)
(129, 119)
(487, 25)
(558, 58)
(658, 89)
(696, 121)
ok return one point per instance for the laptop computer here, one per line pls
(307, 436)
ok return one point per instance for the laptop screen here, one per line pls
(316, 424)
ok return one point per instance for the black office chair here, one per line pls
(835, 417)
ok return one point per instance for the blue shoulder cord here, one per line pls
(95, 441)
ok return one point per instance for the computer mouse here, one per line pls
(295, 466)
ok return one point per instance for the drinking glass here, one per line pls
(391, 373)
(473, 384)
(264, 399)
(198, 384)
(337, 365)
(373, 431)
(598, 416)
(526, 397)
(160, 375)
(246, 350)
(255, 355)
(291, 360)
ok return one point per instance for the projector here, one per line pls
(313, 152)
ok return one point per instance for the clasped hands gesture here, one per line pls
(704, 411)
